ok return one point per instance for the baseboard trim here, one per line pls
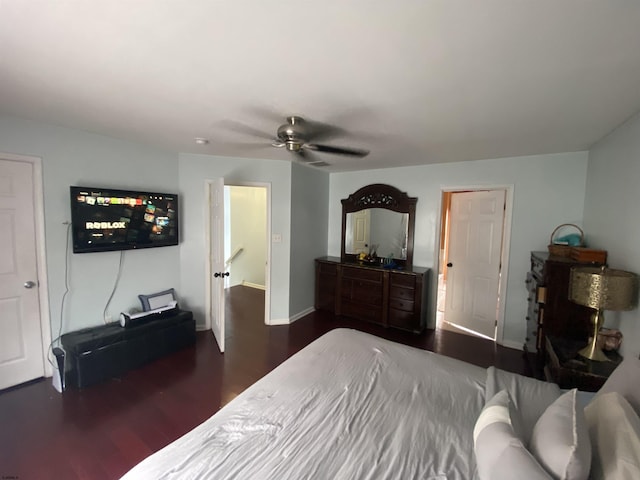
(279, 321)
(293, 318)
(253, 285)
(301, 314)
(512, 344)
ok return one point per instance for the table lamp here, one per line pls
(601, 288)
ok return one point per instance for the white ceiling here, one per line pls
(414, 81)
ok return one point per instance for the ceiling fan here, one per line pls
(299, 136)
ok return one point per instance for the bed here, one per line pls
(354, 406)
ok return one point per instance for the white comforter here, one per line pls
(348, 406)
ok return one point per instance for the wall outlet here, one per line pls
(276, 238)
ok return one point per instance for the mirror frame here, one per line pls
(380, 195)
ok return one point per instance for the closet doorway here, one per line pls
(473, 253)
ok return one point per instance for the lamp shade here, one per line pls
(603, 288)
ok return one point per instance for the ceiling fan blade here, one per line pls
(244, 145)
(319, 163)
(352, 116)
(354, 152)
(308, 158)
(305, 155)
(268, 113)
(242, 128)
(321, 131)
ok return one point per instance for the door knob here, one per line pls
(29, 284)
(449, 264)
(218, 274)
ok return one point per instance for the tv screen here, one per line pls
(104, 219)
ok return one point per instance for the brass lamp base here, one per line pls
(591, 351)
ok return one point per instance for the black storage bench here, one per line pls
(99, 353)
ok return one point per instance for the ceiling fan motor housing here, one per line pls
(293, 134)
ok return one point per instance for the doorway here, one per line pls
(246, 250)
(238, 232)
(25, 332)
(472, 260)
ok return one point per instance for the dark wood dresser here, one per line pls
(550, 312)
(551, 315)
(388, 297)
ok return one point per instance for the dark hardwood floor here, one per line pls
(102, 431)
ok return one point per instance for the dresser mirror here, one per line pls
(384, 230)
(378, 219)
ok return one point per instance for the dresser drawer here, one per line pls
(326, 290)
(531, 283)
(360, 311)
(405, 305)
(402, 280)
(402, 293)
(403, 319)
(327, 269)
(373, 276)
(537, 267)
(362, 292)
(532, 324)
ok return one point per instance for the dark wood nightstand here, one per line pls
(565, 367)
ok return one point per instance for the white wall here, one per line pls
(611, 214)
(548, 190)
(194, 171)
(248, 225)
(309, 223)
(72, 157)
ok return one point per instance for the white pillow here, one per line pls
(560, 440)
(500, 454)
(625, 380)
(529, 396)
(614, 428)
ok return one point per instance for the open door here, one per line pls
(217, 268)
(21, 355)
(474, 260)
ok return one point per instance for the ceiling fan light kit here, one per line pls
(293, 146)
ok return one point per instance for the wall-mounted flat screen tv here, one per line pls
(105, 219)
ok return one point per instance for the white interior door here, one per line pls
(475, 246)
(21, 352)
(361, 230)
(217, 270)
